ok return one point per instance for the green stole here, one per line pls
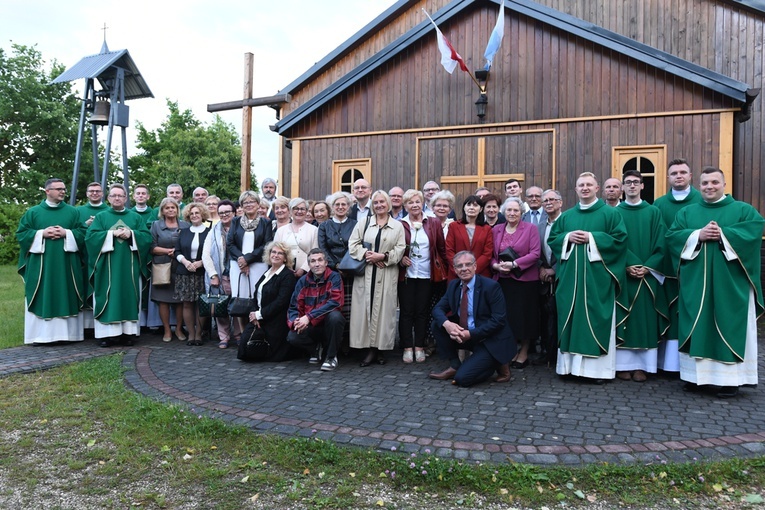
(587, 290)
(53, 284)
(642, 316)
(714, 292)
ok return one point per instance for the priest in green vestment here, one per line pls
(715, 247)
(589, 242)
(118, 249)
(642, 315)
(141, 208)
(95, 205)
(50, 237)
(680, 195)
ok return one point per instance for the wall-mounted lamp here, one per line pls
(482, 76)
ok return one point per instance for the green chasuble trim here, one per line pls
(587, 290)
(53, 284)
(643, 315)
(714, 291)
(116, 275)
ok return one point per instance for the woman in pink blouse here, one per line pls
(516, 254)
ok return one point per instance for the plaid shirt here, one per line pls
(316, 297)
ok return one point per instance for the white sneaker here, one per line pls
(329, 365)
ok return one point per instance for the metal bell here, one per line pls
(100, 114)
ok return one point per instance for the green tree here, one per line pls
(185, 151)
(38, 125)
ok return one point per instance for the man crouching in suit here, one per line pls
(471, 316)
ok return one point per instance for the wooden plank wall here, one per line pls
(716, 34)
(580, 146)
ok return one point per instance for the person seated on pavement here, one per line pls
(471, 316)
(315, 316)
(272, 300)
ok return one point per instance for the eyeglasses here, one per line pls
(224, 213)
(550, 200)
(533, 196)
(116, 196)
(95, 191)
(248, 203)
(299, 209)
(57, 189)
(429, 190)
(632, 183)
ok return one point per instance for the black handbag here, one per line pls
(213, 305)
(509, 255)
(253, 346)
(241, 306)
(352, 266)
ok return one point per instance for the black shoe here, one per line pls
(519, 366)
(727, 392)
(128, 341)
(690, 387)
(105, 343)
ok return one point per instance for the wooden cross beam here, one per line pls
(246, 106)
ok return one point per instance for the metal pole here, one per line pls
(78, 152)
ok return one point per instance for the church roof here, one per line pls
(588, 31)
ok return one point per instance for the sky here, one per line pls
(193, 51)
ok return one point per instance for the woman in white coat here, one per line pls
(379, 241)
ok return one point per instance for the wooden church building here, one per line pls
(585, 85)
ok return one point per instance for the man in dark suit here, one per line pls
(536, 214)
(471, 316)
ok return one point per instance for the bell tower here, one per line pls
(111, 78)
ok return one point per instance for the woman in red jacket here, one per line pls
(471, 234)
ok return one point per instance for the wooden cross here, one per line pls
(246, 105)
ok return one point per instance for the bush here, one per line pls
(10, 215)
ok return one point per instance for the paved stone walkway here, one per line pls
(537, 418)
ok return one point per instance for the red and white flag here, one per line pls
(449, 56)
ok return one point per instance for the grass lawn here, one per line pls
(11, 308)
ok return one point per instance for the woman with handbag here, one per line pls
(470, 234)
(215, 261)
(164, 235)
(515, 260)
(267, 330)
(189, 279)
(247, 238)
(380, 243)
(423, 263)
(334, 235)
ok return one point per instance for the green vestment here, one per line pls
(116, 275)
(587, 287)
(642, 316)
(86, 211)
(149, 215)
(53, 284)
(714, 289)
(669, 206)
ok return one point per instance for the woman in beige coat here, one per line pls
(375, 293)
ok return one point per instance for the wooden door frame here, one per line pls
(659, 160)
